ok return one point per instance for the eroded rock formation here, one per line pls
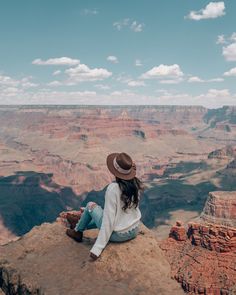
(220, 209)
(226, 152)
(203, 256)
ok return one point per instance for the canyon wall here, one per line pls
(203, 256)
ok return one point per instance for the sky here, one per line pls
(164, 52)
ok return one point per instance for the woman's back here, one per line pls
(124, 219)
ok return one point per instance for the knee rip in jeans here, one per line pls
(91, 205)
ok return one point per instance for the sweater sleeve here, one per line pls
(108, 220)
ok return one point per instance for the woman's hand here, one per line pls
(93, 256)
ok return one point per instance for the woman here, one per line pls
(120, 219)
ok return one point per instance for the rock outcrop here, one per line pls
(223, 153)
(232, 164)
(220, 209)
(46, 261)
(203, 256)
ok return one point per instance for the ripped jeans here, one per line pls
(92, 218)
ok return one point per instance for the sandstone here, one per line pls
(213, 237)
(46, 261)
(205, 262)
(178, 232)
(220, 208)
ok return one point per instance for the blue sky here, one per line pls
(118, 52)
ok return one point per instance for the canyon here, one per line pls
(200, 257)
(181, 153)
(53, 159)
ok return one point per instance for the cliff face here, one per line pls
(46, 261)
(220, 209)
(28, 198)
(203, 256)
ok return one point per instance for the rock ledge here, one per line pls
(46, 262)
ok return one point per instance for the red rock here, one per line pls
(220, 209)
(178, 232)
(179, 223)
(205, 263)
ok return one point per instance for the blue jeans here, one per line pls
(92, 218)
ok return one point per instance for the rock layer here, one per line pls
(220, 209)
(203, 257)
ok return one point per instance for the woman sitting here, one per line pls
(120, 219)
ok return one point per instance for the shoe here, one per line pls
(76, 235)
(72, 220)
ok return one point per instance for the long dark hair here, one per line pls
(130, 191)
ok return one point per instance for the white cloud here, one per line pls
(102, 87)
(218, 93)
(29, 84)
(10, 91)
(221, 39)
(135, 83)
(121, 24)
(123, 78)
(171, 81)
(138, 63)
(229, 52)
(56, 72)
(230, 73)
(82, 73)
(233, 37)
(212, 98)
(8, 81)
(215, 80)
(133, 25)
(60, 61)
(123, 94)
(195, 79)
(212, 10)
(136, 27)
(54, 83)
(10, 87)
(87, 11)
(77, 73)
(113, 59)
(163, 71)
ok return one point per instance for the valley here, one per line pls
(52, 158)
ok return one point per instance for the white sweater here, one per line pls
(114, 217)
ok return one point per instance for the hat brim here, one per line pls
(113, 170)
